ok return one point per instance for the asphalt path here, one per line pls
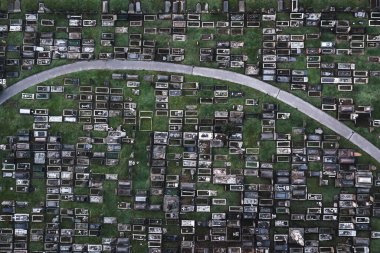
(286, 97)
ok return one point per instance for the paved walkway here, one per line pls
(219, 74)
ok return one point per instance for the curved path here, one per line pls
(219, 74)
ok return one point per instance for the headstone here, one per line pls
(138, 7)
(105, 6)
(319, 131)
(168, 5)
(131, 8)
(280, 5)
(17, 6)
(148, 78)
(225, 6)
(175, 7)
(181, 7)
(241, 5)
(41, 8)
(206, 8)
(198, 8)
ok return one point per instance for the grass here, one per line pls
(145, 124)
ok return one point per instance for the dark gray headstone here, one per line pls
(198, 8)
(17, 6)
(131, 8)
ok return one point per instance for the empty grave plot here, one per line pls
(146, 118)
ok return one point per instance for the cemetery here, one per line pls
(164, 162)
(83, 172)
